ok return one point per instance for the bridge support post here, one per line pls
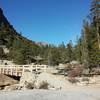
(3, 70)
(23, 71)
(7, 71)
(16, 71)
(11, 71)
(36, 68)
(31, 69)
(0, 70)
(45, 68)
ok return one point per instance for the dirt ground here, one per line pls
(71, 93)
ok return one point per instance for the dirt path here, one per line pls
(70, 94)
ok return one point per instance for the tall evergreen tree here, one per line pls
(95, 15)
(85, 37)
(62, 52)
(78, 50)
(2, 54)
(95, 27)
(69, 51)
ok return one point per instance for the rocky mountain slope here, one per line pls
(7, 29)
(21, 50)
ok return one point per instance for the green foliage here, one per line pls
(62, 52)
(19, 57)
(90, 39)
(70, 54)
(53, 56)
(2, 54)
(78, 51)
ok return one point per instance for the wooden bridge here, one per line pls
(18, 70)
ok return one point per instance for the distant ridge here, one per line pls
(3, 18)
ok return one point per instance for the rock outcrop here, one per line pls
(42, 81)
(6, 81)
(53, 81)
(12, 87)
(27, 80)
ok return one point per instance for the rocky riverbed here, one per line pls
(46, 86)
(45, 81)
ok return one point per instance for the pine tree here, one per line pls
(95, 27)
(85, 38)
(2, 54)
(78, 50)
(69, 51)
(62, 52)
(95, 15)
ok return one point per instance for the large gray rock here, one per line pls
(27, 80)
(53, 81)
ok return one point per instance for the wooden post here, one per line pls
(7, 71)
(11, 71)
(45, 68)
(3, 70)
(23, 71)
(31, 69)
(0, 69)
(16, 70)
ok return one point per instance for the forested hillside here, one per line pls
(23, 51)
(19, 46)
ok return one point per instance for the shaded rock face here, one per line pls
(1, 14)
(3, 19)
(1, 11)
(42, 81)
(6, 81)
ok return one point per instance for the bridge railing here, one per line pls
(18, 70)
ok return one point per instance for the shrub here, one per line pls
(73, 80)
(75, 72)
(44, 85)
(29, 85)
(85, 79)
(72, 73)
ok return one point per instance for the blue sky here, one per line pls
(50, 21)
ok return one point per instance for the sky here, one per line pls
(50, 21)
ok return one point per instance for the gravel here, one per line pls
(71, 94)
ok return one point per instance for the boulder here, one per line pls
(0, 88)
(12, 87)
(6, 81)
(27, 80)
(52, 81)
(92, 80)
(85, 83)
